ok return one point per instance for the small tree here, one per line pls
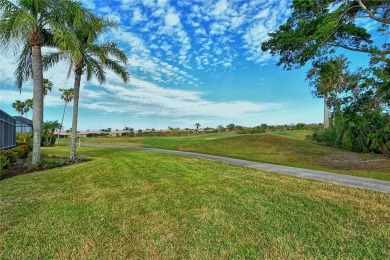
(220, 128)
(231, 127)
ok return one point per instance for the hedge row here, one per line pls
(10, 156)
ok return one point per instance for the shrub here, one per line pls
(7, 157)
(31, 143)
(26, 148)
(19, 150)
(48, 141)
(11, 155)
(4, 162)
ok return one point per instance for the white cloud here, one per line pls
(147, 98)
(163, 42)
(237, 21)
(220, 7)
(105, 9)
(89, 4)
(137, 16)
(172, 18)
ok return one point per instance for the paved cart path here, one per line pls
(341, 179)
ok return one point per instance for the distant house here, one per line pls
(63, 134)
(89, 134)
(7, 131)
(23, 125)
(118, 133)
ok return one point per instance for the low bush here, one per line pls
(4, 162)
(11, 154)
(7, 157)
(48, 141)
(26, 148)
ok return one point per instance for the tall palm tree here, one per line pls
(33, 23)
(88, 56)
(66, 96)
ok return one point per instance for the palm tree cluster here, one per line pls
(28, 25)
(48, 129)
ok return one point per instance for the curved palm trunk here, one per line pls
(77, 81)
(37, 103)
(62, 121)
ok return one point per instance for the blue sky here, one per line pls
(190, 61)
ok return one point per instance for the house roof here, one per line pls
(23, 120)
(61, 133)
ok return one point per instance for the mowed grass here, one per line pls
(127, 204)
(283, 147)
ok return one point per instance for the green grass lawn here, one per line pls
(283, 147)
(128, 204)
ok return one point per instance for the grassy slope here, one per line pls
(286, 148)
(148, 205)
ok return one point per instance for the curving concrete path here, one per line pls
(346, 180)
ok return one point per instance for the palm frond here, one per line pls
(113, 50)
(117, 69)
(23, 71)
(94, 67)
(98, 51)
(50, 59)
(68, 44)
(14, 27)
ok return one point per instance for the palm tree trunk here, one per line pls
(37, 103)
(326, 111)
(62, 121)
(77, 81)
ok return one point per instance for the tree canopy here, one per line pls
(318, 27)
(358, 96)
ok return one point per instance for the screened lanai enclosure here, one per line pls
(23, 125)
(7, 131)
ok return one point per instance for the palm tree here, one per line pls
(87, 56)
(54, 126)
(33, 23)
(20, 108)
(29, 105)
(66, 96)
(45, 131)
(49, 128)
(197, 125)
(47, 86)
(127, 129)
